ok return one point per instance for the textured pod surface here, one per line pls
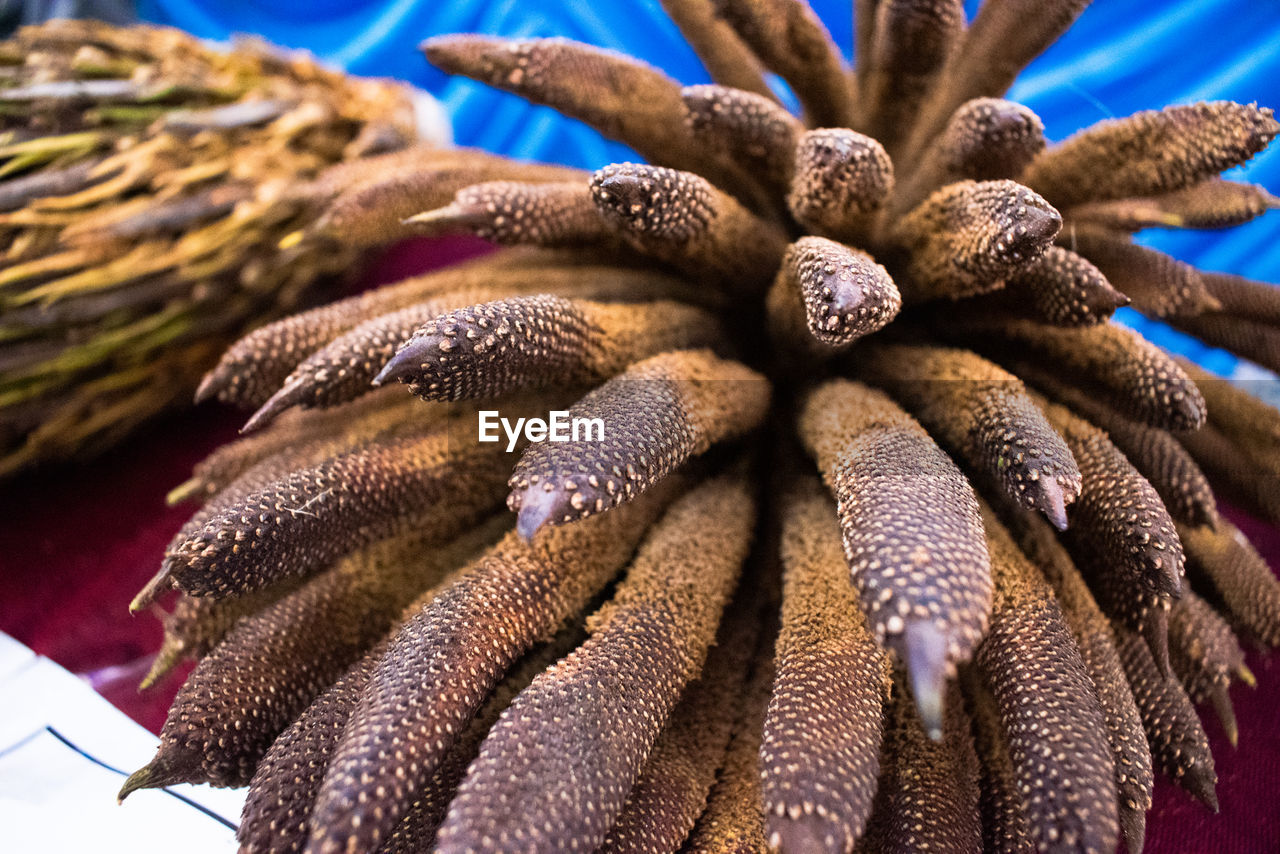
(830, 293)
(1224, 561)
(656, 415)
(273, 663)
(1166, 150)
(921, 568)
(448, 656)
(820, 757)
(969, 237)
(1052, 719)
(590, 721)
(983, 414)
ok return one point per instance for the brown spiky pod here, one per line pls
(253, 368)
(1158, 284)
(820, 755)
(1205, 655)
(1003, 37)
(1179, 746)
(1135, 377)
(1213, 203)
(292, 527)
(1059, 288)
(1164, 150)
(734, 821)
(1223, 561)
(1004, 827)
(1244, 297)
(448, 656)
(826, 296)
(790, 39)
(372, 211)
(727, 59)
(512, 213)
(758, 131)
(969, 237)
(555, 771)
(912, 534)
(911, 41)
(417, 830)
(196, 624)
(274, 663)
(1043, 691)
(1119, 512)
(1257, 342)
(494, 348)
(1156, 454)
(326, 432)
(622, 98)
(1236, 476)
(284, 786)
(681, 219)
(839, 180)
(928, 797)
(671, 791)
(984, 140)
(981, 413)
(654, 416)
(1094, 638)
(346, 367)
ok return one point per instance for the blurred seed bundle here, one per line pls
(149, 188)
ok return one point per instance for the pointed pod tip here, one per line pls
(925, 648)
(1221, 702)
(183, 491)
(1201, 782)
(1133, 825)
(1051, 499)
(210, 385)
(140, 779)
(401, 366)
(288, 396)
(159, 584)
(1246, 675)
(537, 508)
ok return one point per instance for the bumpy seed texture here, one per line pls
(1138, 379)
(1097, 644)
(494, 348)
(447, 657)
(556, 769)
(1164, 150)
(928, 796)
(680, 219)
(647, 421)
(672, 789)
(1119, 512)
(1179, 746)
(1052, 720)
(1205, 656)
(828, 293)
(912, 534)
(886, 278)
(820, 758)
(1223, 560)
(969, 237)
(984, 416)
(298, 524)
(273, 663)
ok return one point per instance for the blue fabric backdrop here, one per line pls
(1122, 56)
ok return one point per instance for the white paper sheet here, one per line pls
(54, 796)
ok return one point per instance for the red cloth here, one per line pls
(78, 541)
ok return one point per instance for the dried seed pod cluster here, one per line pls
(146, 182)
(843, 370)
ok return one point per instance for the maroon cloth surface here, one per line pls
(78, 541)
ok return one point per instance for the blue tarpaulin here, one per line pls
(1120, 57)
